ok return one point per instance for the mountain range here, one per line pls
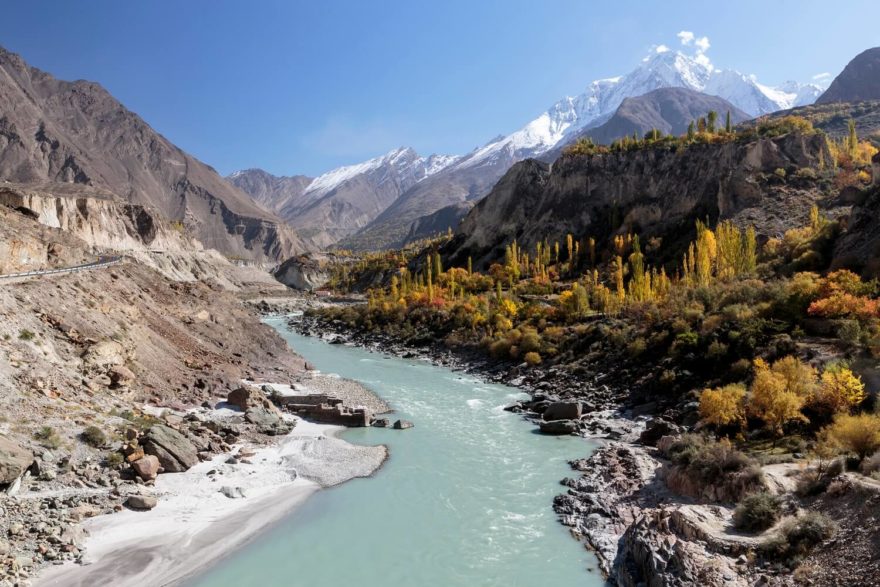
(77, 134)
(469, 177)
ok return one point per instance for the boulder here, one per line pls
(559, 427)
(403, 424)
(141, 502)
(246, 397)
(381, 423)
(563, 411)
(267, 422)
(147, 468)
(174, 451)
(104, 354)
(657, 429)
(233, 492)
(120, 376)
(14, 461)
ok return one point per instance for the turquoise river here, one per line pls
(463, 501)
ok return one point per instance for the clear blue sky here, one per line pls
(301, 87)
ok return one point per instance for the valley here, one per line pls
(634, 342)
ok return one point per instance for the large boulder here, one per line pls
(559, 427)
(174, 451)
(141, 502)
(267, 422)
(563, 411)
(14, 460)
(104, 354)
(246, 398)
(147, 468)
(657, 429)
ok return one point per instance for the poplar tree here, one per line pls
(691, 131)
(728, 128)
(710, 123)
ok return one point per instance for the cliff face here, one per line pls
(77, 133)
(859, 80)
(655, 192)
(100, 221)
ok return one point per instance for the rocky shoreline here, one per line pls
(618, 505)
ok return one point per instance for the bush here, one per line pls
(532, 358)
(757, 512)
(26, 334)
(637, 347)
(858, 435)
(779, 172)
(113, 459)
(707, 463)
(48, 437)
(94, 436)
(813, 482)
(797, 535)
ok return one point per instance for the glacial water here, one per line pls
(464, 500)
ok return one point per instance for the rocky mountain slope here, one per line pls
(472, 176)
(76, 133)
(270, 191)
(859, 80)
(656, 192)
(339, 202)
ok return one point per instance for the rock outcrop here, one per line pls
(173, 450)
(14, 461)
(656, 192)
(302, 272)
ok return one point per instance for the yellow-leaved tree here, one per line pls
(859, 435)
(840, 389)
(772, 401)
(723, 406)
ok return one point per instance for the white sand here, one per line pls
(195, 525)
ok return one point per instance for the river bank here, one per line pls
(218, 505)
(617, 503)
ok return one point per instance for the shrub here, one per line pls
(25, 334)
(797, 535)
(637, 347)
(779, 172)
(805, 173)
(816, 481)
(840, 389)
(707, 463)
(859, 434)
(871, 465)
(532, 358)
(757, 512)
(48, 437)
(94, 436)
(113, 459)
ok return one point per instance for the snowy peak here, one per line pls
(402, 162)
(662, 69)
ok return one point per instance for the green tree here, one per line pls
(711, 120)
(728, 128)
(691, 131)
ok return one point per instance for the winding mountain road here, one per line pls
(99, 264)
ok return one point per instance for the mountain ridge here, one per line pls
(76, 132)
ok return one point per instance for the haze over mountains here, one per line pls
(365, 219)
(76, 133)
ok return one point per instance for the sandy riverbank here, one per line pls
(195, 524)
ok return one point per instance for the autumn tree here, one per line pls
(839, 390)
(772, 401)
(848, 434)
(723, 406)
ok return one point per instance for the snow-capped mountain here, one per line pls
(666, 69)
(339, 202)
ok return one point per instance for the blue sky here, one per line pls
(301, 87)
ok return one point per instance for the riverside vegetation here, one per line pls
(752, 341)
